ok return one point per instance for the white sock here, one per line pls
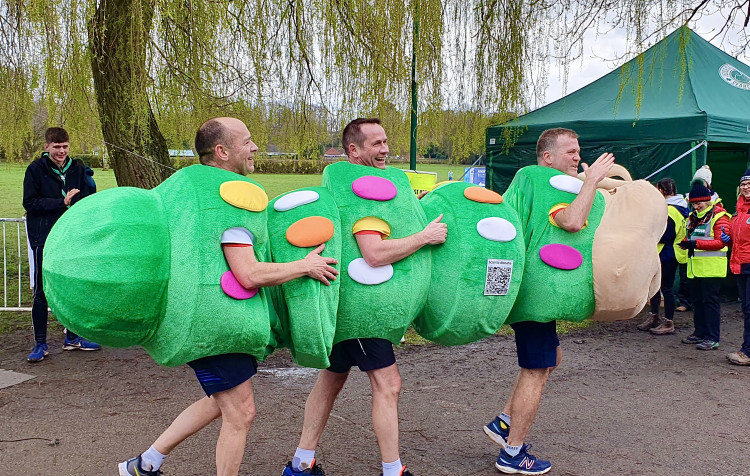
(151, 459)
(392, 469)
(513, 450)
(505, 417)
(303, 459)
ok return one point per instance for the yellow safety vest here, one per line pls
(707, 264)
(679, 228)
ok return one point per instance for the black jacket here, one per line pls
(43, 195)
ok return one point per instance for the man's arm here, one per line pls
(379, 252)
(251, 273)
(574, 217)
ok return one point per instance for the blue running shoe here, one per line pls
(707, 344)
(79, 343)
(39, 352)
(132, 467)
(314, 470)
(498, 431)
(522, 463)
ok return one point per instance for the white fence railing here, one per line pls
(15, 254)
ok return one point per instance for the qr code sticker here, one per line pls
(499, 272)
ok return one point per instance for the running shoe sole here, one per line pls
(509, 470)
(497, 439)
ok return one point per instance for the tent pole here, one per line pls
(678, 158)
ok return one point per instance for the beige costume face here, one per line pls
(565, 156)
(374, 148)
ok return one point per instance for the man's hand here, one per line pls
(69, 196)
(435, 232)
(600, 168)
(319, 267)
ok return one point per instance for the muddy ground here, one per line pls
(622, 403)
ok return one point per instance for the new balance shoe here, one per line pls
(132, 467)
(39, 353)
(314, 470)
(404, 472)
(498, 431)
(707, 344)
(692, 339)
(522, 463)
(79, 343)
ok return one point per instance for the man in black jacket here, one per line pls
(52, 184)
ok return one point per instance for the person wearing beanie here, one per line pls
(678, 211)
(703, 176)
(739, 264)
(707, 264)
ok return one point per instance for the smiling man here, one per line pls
(52, 184)
(537, 344)
(365, 143)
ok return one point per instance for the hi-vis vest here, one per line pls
(679, 228)
(707, 264)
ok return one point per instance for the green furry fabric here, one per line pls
(457, 311)
(306, 307)
(384, 310)
(155, 280)
(548, 293)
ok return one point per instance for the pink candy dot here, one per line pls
(234, 289)
(370, 187)
(561, 256)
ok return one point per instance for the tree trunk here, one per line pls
(118, 36)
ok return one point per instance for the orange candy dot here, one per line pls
(482, 195)
(310, 231)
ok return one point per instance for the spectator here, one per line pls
(52, 184)
(739, 264)
(675, 232)
(707, 264)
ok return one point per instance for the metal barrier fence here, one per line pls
(13, 265)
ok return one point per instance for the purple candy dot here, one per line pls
(370, 187)
(234, 289)
(561, 256)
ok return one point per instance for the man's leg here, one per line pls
(386, 387)
(319, 405)
(193, 419)
(237, 413)
(39, 305)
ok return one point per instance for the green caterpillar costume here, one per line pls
(154, 264)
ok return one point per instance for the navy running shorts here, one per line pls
(536, 344)
(222, 372)
(367, 354)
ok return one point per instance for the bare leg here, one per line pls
(194, 418)
(524, 402)
(506, 409)
(237, 413)
(386, 387)
(319, 405)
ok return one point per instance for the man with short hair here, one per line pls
(225, 143)
(53, 183)
(365, 143)
(537, 344)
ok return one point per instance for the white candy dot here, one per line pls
(363, 273)
(295, 199)
(566, 183)
(496, 229)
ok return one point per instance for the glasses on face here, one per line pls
(745, 185)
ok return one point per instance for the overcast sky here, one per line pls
(599, 54)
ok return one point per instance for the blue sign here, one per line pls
(475, 175)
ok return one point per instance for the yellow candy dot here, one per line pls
(244, 195)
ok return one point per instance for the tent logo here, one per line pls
(734, 76)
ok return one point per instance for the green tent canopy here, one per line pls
(648, 112)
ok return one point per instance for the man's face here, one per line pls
(374, 148)
(565, 156)
(241, 152)
(57, 151)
